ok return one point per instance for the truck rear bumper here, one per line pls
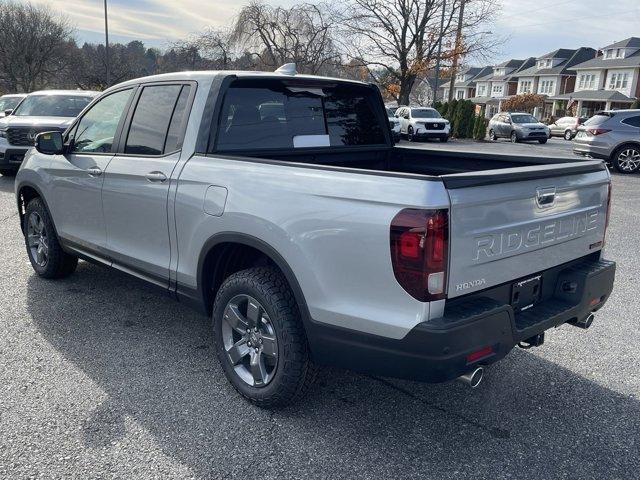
(476, 331)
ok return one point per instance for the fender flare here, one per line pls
(266, 249)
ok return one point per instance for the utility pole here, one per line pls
(437, 82)
(454, 65)
(106, 43)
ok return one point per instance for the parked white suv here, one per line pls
(419, 123)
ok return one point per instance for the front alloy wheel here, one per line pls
(410, 136)
(627, 160)
(568, 135)
(514, 137)
(37, 240)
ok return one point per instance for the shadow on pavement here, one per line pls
(152, 357)
(6, 183)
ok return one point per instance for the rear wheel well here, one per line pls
(616, 151)
(225, 259)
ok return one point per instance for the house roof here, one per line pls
(441, 83)
(573, 58)
(476, 72)
(559, 53)
(602, 95)
(631, 42)
(511, 63)
(600, 62)
(522, 65)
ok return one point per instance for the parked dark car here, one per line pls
(566, 127)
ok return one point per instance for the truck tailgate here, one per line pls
(502, 231)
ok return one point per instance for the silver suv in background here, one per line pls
(9, 102)
(518, 127)
(42, 111)
(611, 135)
(566, 127)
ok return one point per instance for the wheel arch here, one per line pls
(212, 269)
(25, 192)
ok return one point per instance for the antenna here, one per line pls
(287, 69)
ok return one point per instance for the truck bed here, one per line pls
(455, 169)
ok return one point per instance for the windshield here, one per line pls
(524, 119)
(9, 102)
(425, 113)
(52, 105)
(598, 118)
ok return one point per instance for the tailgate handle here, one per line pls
(545, 197)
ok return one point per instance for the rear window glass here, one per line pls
(150, 122)
(259, 115)
(598, 118)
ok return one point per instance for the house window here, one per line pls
(547, 86)
(618, 80)
(619, 53)
(482, 90)
(460, 94)
(586, 81)
(608, 54)
(497, 90)
(525, 86)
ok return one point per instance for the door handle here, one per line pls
(94, 171)
(156, 177)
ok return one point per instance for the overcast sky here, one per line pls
(534, 27)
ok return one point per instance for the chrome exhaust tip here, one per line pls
(585, 322)
(473, 378)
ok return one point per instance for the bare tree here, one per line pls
(35, 46)
(211, 49)
(400, 37)
(276, 35)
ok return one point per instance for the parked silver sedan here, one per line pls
(612, 135)
(518, 127)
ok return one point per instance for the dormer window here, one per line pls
(608, 54)
(619, 53)
(545, 63)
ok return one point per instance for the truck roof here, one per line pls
(209, 74)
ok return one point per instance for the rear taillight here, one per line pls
(606, 222)
(597, 131)
(419, 252)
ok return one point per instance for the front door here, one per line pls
(136, 182)
(77, 176)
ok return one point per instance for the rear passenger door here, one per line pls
(136, 182)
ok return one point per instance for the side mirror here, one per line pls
(49, 143)
(8, 112)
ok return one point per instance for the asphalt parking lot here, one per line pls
(103, 377)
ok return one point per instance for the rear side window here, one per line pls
(174, 136)
(632, 121)
(268, 114)
(151, 120)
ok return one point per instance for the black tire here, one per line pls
(492, 135)
(568, 135)
(58, 264)
(542, 141)
(444, 139)
(8, 172)
(294, 372)
(619, 162)
(514, 137)
(410, 136)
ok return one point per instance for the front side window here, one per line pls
(97, 128)
(271, 114)
(52, 105)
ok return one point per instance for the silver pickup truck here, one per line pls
(278, 205)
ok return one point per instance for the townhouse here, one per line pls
(464, 84)
(553, 75)
(608, 81)
(499, 83)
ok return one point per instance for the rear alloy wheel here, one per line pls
(492, 135)
(627, 159)
(568, 135)
(259, 337)
(514, 137)
(542, 140)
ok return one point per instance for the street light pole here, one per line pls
(106, 43)
(454, 66)
(437, 82)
